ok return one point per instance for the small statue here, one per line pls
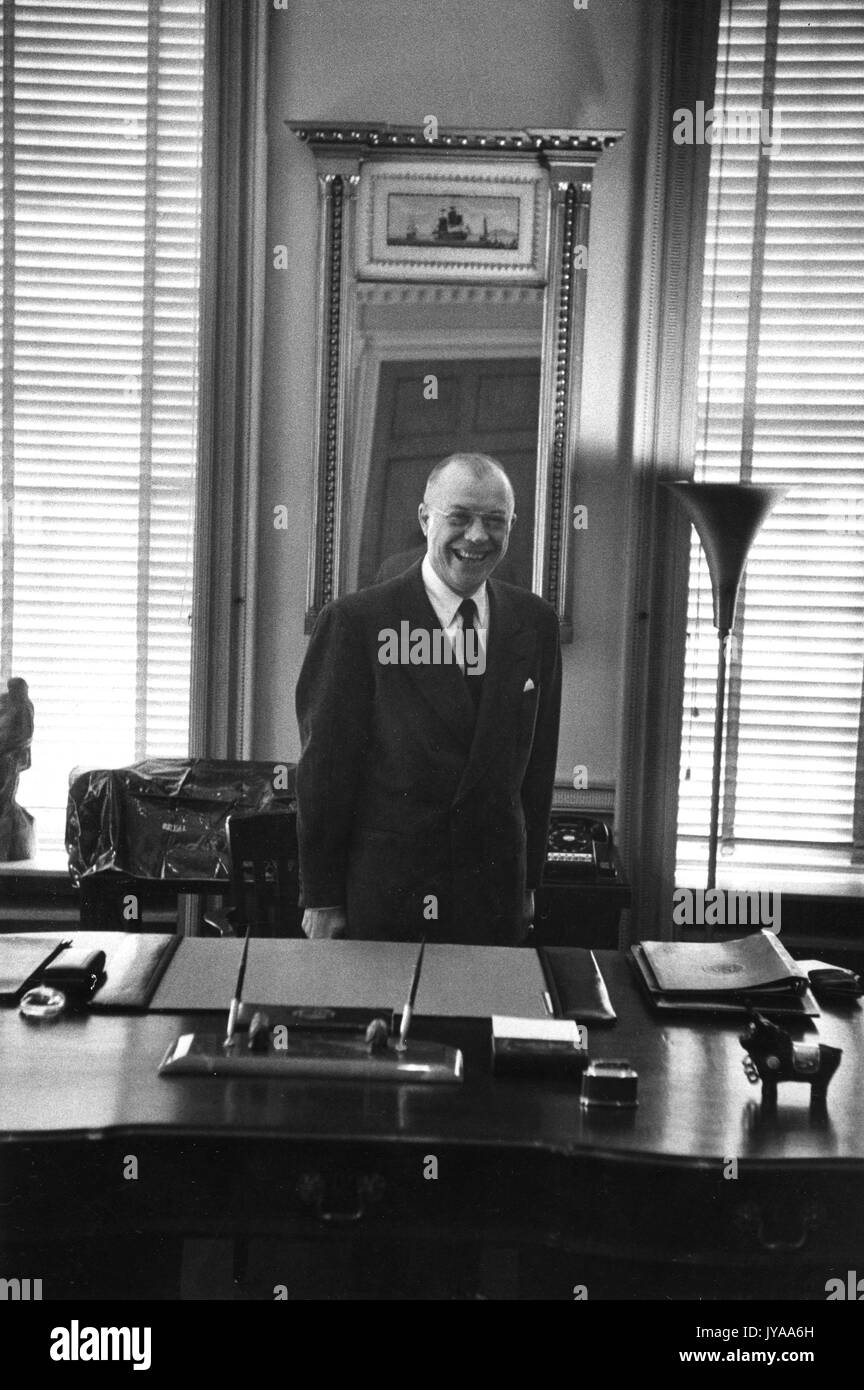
(772, 1056)
(17, 837)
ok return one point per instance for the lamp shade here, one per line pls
(728, 517)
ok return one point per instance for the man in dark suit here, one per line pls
(428, 709)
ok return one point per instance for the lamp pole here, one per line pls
(727, 517)
(719, 717)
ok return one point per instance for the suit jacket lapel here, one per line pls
(508, 659)
(442, 686)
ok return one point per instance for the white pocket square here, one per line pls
(529, 685)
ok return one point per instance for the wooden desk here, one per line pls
(643, 1200)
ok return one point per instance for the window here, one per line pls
(101, 232)
(781, 401)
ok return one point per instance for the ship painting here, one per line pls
(451, 226)
(458, 222)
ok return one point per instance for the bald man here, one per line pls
(428, 709)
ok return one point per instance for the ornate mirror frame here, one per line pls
(567, 159)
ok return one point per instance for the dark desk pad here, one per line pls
(457, 981)
(169, 974)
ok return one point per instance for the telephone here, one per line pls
(579, 846)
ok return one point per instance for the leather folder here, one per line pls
(575, 984)
(796, 1000)
(134, 970)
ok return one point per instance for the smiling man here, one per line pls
(466, 516)
(424, 785)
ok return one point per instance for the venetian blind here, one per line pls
(781, 401)
(101, 231)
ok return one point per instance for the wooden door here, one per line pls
(488, 406)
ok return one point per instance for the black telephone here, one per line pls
(579, 846)
(583, 890)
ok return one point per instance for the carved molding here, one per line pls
(379, 292)
(562, 386)
(405, 139)
(335, 322)
(562, 376)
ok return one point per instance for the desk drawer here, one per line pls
(659, 1229)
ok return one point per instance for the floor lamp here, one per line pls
(727, 517)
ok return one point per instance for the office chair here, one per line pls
(265, 876)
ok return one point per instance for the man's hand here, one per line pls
(323, 923)
(528, 908)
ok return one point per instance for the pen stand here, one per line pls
(773, 1056)
(339, 1053)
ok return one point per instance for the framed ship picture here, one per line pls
(456, 221)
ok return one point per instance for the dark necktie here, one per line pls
(471, 650)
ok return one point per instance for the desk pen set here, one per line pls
(277, 1040)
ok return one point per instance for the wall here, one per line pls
(474, 63)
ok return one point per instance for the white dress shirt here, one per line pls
(446, 606)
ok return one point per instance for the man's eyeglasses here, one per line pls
(495, 524)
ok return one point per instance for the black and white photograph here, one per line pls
(432, 670)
